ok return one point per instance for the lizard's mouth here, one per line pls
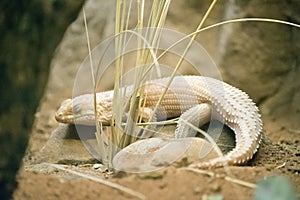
(86, 119)
(62, 118)
(65, 112)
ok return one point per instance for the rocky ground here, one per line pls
(278, 155)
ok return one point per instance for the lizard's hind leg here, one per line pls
(197, 115)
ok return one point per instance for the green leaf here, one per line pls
(275, 188)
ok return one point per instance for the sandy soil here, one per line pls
(278, 155)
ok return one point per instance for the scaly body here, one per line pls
(183, 98)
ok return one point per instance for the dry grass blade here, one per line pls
(224, 23)
(102, 181)
(240, 182)
(294, 131)
(280, 166)
(117, 134)
(100, 142)
(227, 178)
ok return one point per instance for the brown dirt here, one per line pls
(273, 158)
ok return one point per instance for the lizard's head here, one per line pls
(80, 110)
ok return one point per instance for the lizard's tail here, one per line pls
(241, 114)
(244, 151)
(247, 127)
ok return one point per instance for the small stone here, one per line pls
(215, 187)
(163, 185)
(97, 166)
(197, 190)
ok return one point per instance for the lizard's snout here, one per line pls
(65, 114)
